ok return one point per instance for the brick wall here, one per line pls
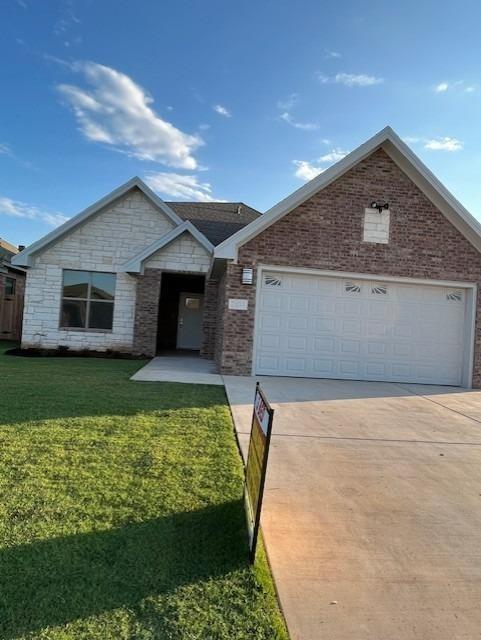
(326, 232)
(147, 312)
(209, 320)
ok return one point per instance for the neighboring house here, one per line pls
(12, 287)
(370, 272)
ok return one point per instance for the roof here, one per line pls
(24, 258)
(402, 155)
(7, 250)
(135, 264)
(216, 220)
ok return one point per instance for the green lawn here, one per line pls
(121, 509)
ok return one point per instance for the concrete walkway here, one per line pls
(179, 368)
(372, 510)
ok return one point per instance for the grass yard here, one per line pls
(121, 509)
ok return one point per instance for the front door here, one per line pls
(189, 328)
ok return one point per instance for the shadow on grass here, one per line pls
(48, 389)
(55, 581)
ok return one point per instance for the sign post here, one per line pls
(256, 466)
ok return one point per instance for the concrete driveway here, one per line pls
(372, 510)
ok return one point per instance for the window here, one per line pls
(351, 287)
(272, 281)
(10, 286)
(192, 303)
(454, 296)
(87, 300)
(379, 289)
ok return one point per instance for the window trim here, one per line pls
(88, 301)
(14, 288)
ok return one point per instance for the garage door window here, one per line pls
(379, 289)
(454, 296)
(272, 281)
(352, 287)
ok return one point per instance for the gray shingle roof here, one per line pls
(216, 220)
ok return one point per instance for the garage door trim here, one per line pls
(469, 287)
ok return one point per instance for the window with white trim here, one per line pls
(87, 300)
(352, 287)
(272, 281)
(455, 296)
(379, 289)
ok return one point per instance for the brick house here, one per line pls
(370, 271)
(12, 287)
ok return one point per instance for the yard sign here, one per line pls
(257, 465)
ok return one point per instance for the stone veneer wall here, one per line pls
(104, 243)
(326, 232)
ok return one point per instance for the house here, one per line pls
(369, 271)
(12, 287)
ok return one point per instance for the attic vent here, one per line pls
(272, 281)
(351, 287)
(454, 296)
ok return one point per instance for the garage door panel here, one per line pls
(350, 346)
(323, 368)
(376, 348)
(270, 322)
(271, 302)
(297, 343)
(326, 345)
(269, 341)
(333, 327)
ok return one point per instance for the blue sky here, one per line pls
(225, 100)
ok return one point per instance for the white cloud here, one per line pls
(305, 126)
(332, 54)
(305, 170)
(5, 148)
(361, 80)
(350, 79)
(18, 209)
(286, 107)
(176, 185)
(333, 156)
(289, 102)
(116, 111)
(218, 108)
(459, 85)
(443, 144)
(441, 87)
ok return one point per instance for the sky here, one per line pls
(238, 101)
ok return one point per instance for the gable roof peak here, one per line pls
(24, 258)
(402, 155)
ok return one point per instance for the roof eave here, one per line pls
(135, 264)
(402, 155)
(25, 257)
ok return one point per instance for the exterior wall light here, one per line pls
(379, 206)
(247, 275)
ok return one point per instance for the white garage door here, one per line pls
(331, 327)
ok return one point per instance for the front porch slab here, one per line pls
(179, 368)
